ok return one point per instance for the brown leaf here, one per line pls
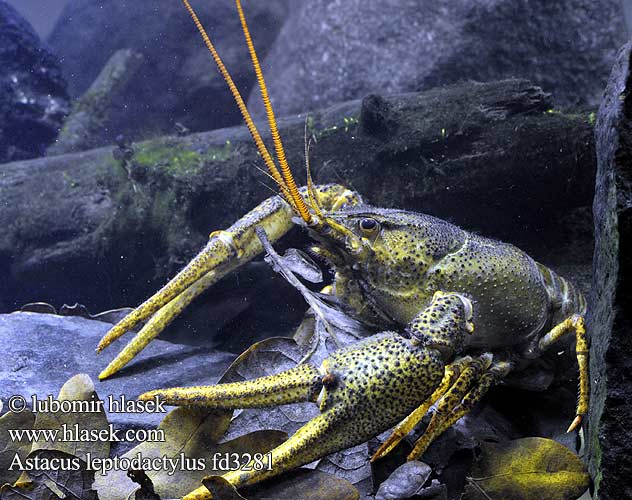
(191, 436)
(352, 464)
(187, 431)
(527, 469)
(50, 482)
(221, 489)
(78, 388)
(38, 307)
(74, 310)
(264, 358)
(9, 447)
(305, 484)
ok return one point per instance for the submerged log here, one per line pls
(107, 226)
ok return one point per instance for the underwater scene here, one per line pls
(315, 249)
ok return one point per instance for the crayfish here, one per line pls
(456, 312)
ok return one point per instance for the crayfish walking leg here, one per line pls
(573, 324)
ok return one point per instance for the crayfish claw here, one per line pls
(298, 384)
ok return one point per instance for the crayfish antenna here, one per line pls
(284, 180)
(298, 384)
(311, 195)
(276, 137)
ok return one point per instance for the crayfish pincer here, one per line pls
(364, 389)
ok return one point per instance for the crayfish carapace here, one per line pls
(456, 312)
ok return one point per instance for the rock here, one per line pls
(33, 98)
(42, 351)
(334, 51)
(177, 81)
(610, 322)
(407, 480)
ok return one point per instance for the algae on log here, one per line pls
(610, 322)
(491, 157)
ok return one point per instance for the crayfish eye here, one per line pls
(368, 226)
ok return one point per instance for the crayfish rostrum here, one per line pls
(455, 312)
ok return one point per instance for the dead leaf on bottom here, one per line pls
(79, 388)
(146, 490)
(12, 448)
(191, 436)
(305, 484)
(527, 469)
(264, 358)
(49, 482)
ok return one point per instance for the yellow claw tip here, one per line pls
(383, 450)
(105, 341)
(146, 396)
(108, 371)
(575, 424)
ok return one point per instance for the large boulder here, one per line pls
(177, 81)
(331, 51)
(33, 98)
(610, 322)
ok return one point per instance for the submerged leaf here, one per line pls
(406, 481)
(39, 307)
(11, 447)
(305, 484)
(50, 482)
(189, 453)
(188, 432)
(298, 262)
(74, 310)
(79, 388)
(352, 464)
(221, 489)
(326, 307)
(527, 469)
